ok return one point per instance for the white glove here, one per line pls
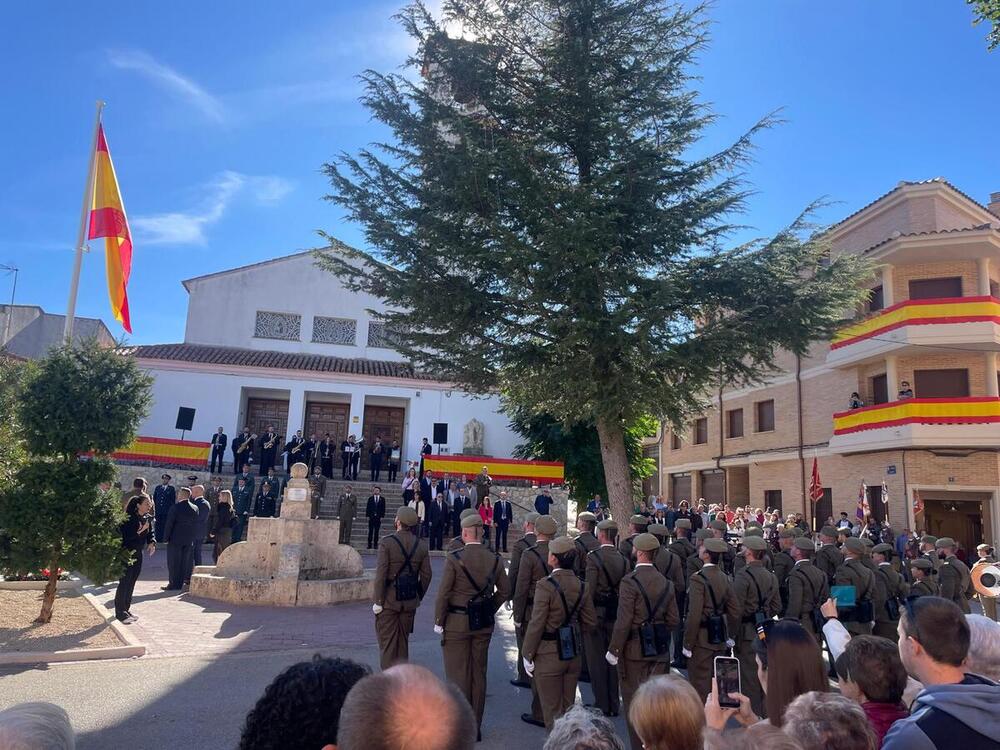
(730, 643)
(439, 630)
(517, 624)
(529, 667)
(509, 606)
(686, 652)
(611, 659)
(377, 609)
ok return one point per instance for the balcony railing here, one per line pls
(947, 310)
(971, 410)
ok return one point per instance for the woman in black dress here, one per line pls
(137, 536)
(225, 519)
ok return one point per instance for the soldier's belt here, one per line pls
(457, 610)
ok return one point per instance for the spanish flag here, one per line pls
(107, 219)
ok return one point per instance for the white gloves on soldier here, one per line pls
(611, 659)
(377, 609)
(439, 630)
(686, 652)
(529, 667)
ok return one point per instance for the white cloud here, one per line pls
(188, 227)
(169, 79)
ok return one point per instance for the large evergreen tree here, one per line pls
(545, 220)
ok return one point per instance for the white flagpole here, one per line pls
(81, 238)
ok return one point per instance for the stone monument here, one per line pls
(472, 438)
(288, 561)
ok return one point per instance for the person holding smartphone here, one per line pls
(759, 601)
(137, 537)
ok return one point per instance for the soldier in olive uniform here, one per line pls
(953, 575)
(783, 563)
(534, 566)
(586, 542)
(606, 567)
(828, 558)
(695, 563)
(713, 612)
(473, 572)
(403, 560)
(928, 550)
(528, 540)
(625, 651)
(561, 600)
(866, 559)
(636, 525)
(854, 573)
(923, 584)
(719, 528)
(757, 594)
(458, 542)
(807, 586)
(685, 550)
(670, 565)
(768, 559)
(890, 593)
(347, 509)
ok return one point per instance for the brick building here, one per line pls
(932, 321)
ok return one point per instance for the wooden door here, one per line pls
(386, 422)
(323, 417)
(262, 412)
(879, 389)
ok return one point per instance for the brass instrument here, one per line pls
(296, 448)
(270, 443)
(245, 443)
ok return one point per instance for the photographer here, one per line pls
(137, 535)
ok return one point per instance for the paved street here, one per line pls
(209, 662)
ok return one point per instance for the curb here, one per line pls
(73, 583)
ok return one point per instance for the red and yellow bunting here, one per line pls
(166, 451)
(971, 410)
(920, 312)
(546, 472)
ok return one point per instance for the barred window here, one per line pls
(274, 325)
(334, 331)
(380, 336)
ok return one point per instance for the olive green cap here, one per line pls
(883, 549)
(683, 523)
(546, 525)
(754, 531)
(638, 520)
(928, 539)
(407, 516)
(922, 562)
(855, 545)
(608, 524)
(574, 532)
(562, 545)
(829, 531)
(702, 534)
(646, 543)
(804, 543)
(716, 545)
(586, 516)
(755, 543)
(867, 542)
(719, 525)
(471, 521)
(468, 512)
(658, 529)
(945, 541)
(788, 533)
(530, 517)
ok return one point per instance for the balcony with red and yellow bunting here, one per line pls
(971, 322)
(969, 422)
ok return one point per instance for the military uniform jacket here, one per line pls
(829, 559)
(808, 588)
(534, 566)
(700, 606)
(955, 581)
(671, 567)
(767, 562)
(783, 564)
(632, 611)
(548, 613)
(390, 564)
(756, 590)
(456, 543)
(347, 507)
(625, 547)
(606, 567)
(933, 557)
(456, 590)
(585, 544)
(685, 550)
(519, 548)
(888, 585)
(692, 566)
(854, 573)
(928, 587)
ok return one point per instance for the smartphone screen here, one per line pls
(846, 596)
(727, 677)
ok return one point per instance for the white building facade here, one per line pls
(284, 343)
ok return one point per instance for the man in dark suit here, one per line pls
(219, 441)
(375, 456)
(295, 451)
(242, 450)
(503, 514)
(204, 512)
(461, 502)
(179, 533)
(164, 497)
(375, 511)
(438, 516)
(309, 451)
(427, 488)
(542, 501)
(268, 449)
(425, 450)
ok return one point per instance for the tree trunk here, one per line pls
(616, 470)
(49, 597)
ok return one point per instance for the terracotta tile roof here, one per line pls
(959, 230)
(230, 357)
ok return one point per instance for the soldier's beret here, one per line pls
(546, 525)
(530, 517)
(755, 543)
(472, 521)
(407, 516)
(883, 549)
(945, 541)
(683, 523)
(702, 534)
(788, 533)
(607, 524)
(855, 545)
(638, 520)
(829, 531)
(658, 529)
(586, 516)
(868, 543)
(922, 562)
(646, 543)
(755, 531)
(468, 512)
(754, 525)
(719, 525)
(716, 545)
(562, 545)
(928, 539)
(804, 543)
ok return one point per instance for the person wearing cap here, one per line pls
(890, 593)
(923, 573)
(808, 586)
(928, 550)
(710, 595)
(586, 542)
(694, 563)
(719, 528)
(516, 552)
(561, 600)
(458, 542)
(756, 530)
(636, 525)
(828, 557)
(472, 572)
(534, 566)
(757, 595)
(858, 619)
(164, 497)
(685, 549)
(670, 565)
(866, 559)
(783, 563)
(265, 503)
(954, 578)
(400, 554)
(606, 567)
(625, 650)
(682, 545)
(247, 478)
(242, 505)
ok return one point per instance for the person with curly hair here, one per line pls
(301, 706)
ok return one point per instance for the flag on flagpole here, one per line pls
(815, 485)
(107, 220)
(885, 494)
(918, 504)
(862, 509)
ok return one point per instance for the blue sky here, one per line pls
(220, 114)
